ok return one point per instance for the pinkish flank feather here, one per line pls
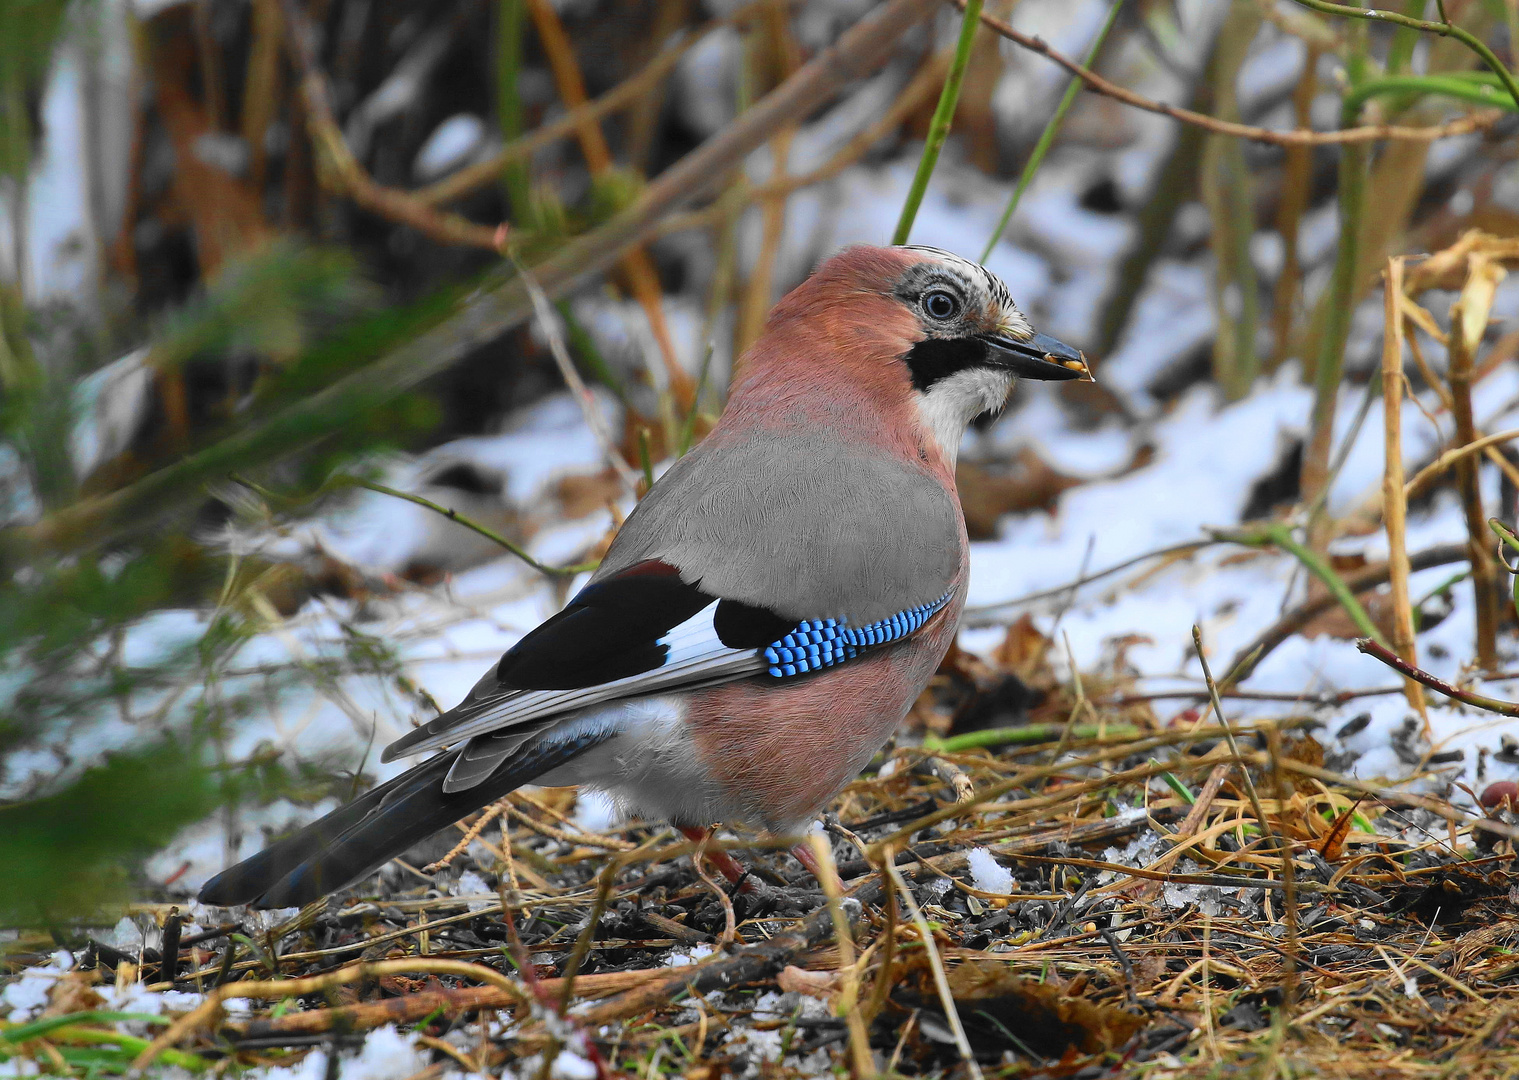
(782, 752)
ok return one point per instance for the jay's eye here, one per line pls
(941, 305)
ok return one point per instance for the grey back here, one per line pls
(803, 522)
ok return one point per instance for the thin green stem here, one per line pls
(1507, 541)
(1279, 535)
(1027, 735)
(19, 1033)
(1443, 29)
(1506, 535)
(489, 534)
(451, 514)
(1332, 317)
(1445, 586)
(944, 115)
(1051, 129)
(1400, 52)
(1347, 444)
(1484, 90)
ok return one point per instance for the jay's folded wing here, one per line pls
(640, 631)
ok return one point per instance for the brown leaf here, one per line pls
(1308, 751)
(1348, 562)
(225, 214)
(74, 992)
(1025, 652)
(580, 495)
(993, 1001)
(818, 984)
(1334, 840)
(1029, 484)
(1336, 624)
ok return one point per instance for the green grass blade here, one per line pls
(1047, 136)
(938, 128)
(1182, 791)
(22, 1032)
(1484, 90)
(1443, 29)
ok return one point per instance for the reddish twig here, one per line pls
(1434, 682)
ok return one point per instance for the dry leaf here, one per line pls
(1308, 751)
(1336, 624)
(993, 1002)
(818, 984)
(1334, 841)
(1025, 652)
(1030, 484)
(580, 495)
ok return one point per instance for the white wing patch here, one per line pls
(696, 656)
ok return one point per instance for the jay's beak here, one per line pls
(1040, 357)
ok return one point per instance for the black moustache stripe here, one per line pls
(936, 358)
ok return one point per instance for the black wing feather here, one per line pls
(610, 630)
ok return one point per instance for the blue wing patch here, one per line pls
(643, 632)
(819, 643)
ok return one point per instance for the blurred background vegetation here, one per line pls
(265, 240)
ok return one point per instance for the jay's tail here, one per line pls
(357, 839)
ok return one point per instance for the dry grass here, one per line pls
(1134, 942)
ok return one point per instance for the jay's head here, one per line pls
(913, 321)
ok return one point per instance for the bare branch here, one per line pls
(1370, 133)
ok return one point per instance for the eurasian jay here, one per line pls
(767, 614)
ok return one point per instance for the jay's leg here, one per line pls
(725, 863)
(803, 854)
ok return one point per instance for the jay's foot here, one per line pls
(735, 871)
(725, 864)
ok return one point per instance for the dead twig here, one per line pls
(936, 964)
(447, 1003)
(470, 834)
(341, 172)
(748, 963)
(918, 91)
(636, 266)
(548, 319)
(1426, 476)
(206, 1011)
(1394, 507)
(861, 1064)
(625, 94)
(1469, 316)
(1369, 133)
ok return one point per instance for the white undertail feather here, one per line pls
(649, 767)
(950, 404)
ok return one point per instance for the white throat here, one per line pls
(949, 405)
